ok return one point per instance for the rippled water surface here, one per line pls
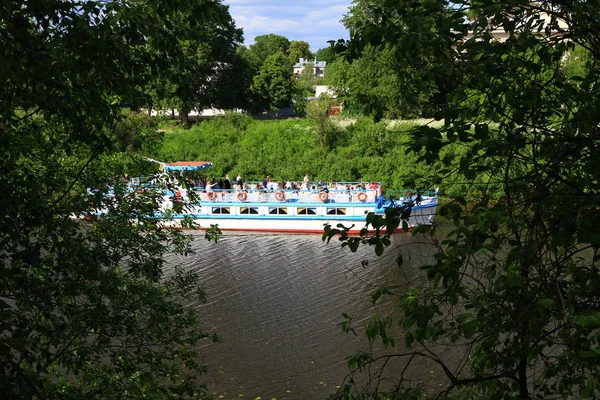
(276, 301)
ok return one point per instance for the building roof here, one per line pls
(303, 62)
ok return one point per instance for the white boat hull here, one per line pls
(293, 217)
(284, 211)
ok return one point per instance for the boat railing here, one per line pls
(288, 196)
(409, 194)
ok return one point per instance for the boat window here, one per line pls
(307, 211)
(278, 210)
(248, 210)
(221, 210)
(336, 211)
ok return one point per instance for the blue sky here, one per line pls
(314, 21)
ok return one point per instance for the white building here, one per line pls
(318, 67)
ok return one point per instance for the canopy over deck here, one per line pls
(186, 165)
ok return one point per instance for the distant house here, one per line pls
(318, 67)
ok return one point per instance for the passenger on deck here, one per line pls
(306, 180)
(227, 183)
(288, 185)
(239, 181)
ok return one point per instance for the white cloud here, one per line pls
(313, 21)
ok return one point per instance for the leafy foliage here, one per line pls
(370, 84)
(299, 49)
(268, 45)
(307, 80)
(514, 285)
(273, 83)
(326, 54)
(288, 149)
(85, 308)
(208, 65)
(327, 131)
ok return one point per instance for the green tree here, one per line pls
(374, 84)
(86, 310)
(338, 76)
(307, 80)
(299, 49)
(327, 131)
(513, 288)
(273, 84)
(208, 66)
(326, 54)
(268, 45)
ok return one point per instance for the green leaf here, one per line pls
(546, 302)
(470, 327)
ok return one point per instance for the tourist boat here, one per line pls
(301, 211)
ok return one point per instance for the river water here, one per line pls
(276, 302)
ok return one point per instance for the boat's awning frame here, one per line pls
(186, 165)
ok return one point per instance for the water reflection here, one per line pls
(276, 301)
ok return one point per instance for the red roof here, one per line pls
(188, 163)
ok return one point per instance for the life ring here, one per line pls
(279, 196)
(242, 196)
(323, 196)
(212, 196)
(362, 196)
